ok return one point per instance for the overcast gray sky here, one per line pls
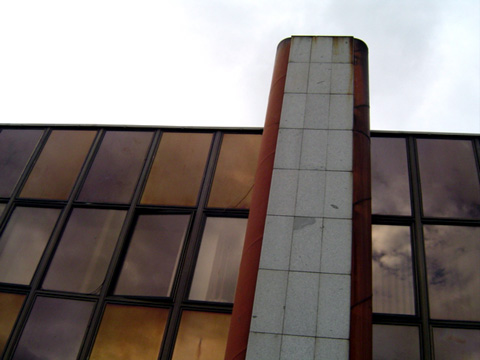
(209, 63)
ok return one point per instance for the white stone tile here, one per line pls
(342, 79)
(289, 146)
(302, 304)
(300, 49)
(334, 306)
(331, 349)
(269, 304)
(314, 149)
(336, 246)
(293, 111)
(338, 195)
(297, 348)
(297, 78)
(342, 50)
(263, 346)
(311, 193)
(277, 243)
(319, 78)
(341, 112)
(340, 153)
(283, 192)
(321, 49)
(306, 244)
(316, 111)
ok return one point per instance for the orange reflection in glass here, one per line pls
(10, 305)
(202, 336)
(130, 332)
(58, 165)
(177, 170)
(235, 172)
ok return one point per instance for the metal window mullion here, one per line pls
(419, 252)
(50, 248)
(192, 246)
(116, 256)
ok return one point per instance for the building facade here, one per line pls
(164, 243)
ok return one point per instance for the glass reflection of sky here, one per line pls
(456, 344)
(54, 330)
(392, 270)
(16, 146)
(449, 179)
(390, 189)
(453, 258)
(395, 342)
(116, 167)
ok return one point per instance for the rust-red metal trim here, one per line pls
(361, 295)
(247, 277)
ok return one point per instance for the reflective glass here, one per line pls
(235, 173)
(460, 344)
(54, 330)
(130, 332)
(392, 270)
(390, 186)
(453, 258)
(85, 249)
(218, 261)
(2, 207)
(202, 336)
(177, 170)
(23, 242)
(10, 305)
(16, 147)
(395, 342)
(152, 257)
(59, 164)
(116, 167)
(449, 179)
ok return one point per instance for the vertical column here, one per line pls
(302, 300)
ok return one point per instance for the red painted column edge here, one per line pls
(247, 277)
(361, 291)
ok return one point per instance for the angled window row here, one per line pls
(121, 243)
(426, 246)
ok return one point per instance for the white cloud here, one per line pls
(210, 62)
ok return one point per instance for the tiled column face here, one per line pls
(302, 301)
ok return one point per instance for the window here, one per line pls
(426, 246)
(119, 243)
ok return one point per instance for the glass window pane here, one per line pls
(23, 241)
(453, 258)
(395, 342)
(130, 332)
(218, 261)
(202, 336)
(177, 171)
(10, 305)
(85, 249)
(152, 257)
(456, 344)
(390, 186)
(59, 164)
(54, 330)
(16, 147)
(116, 167)
(450, 186)
(235, 173)
(392, 270)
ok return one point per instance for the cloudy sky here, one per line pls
(209, 63)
